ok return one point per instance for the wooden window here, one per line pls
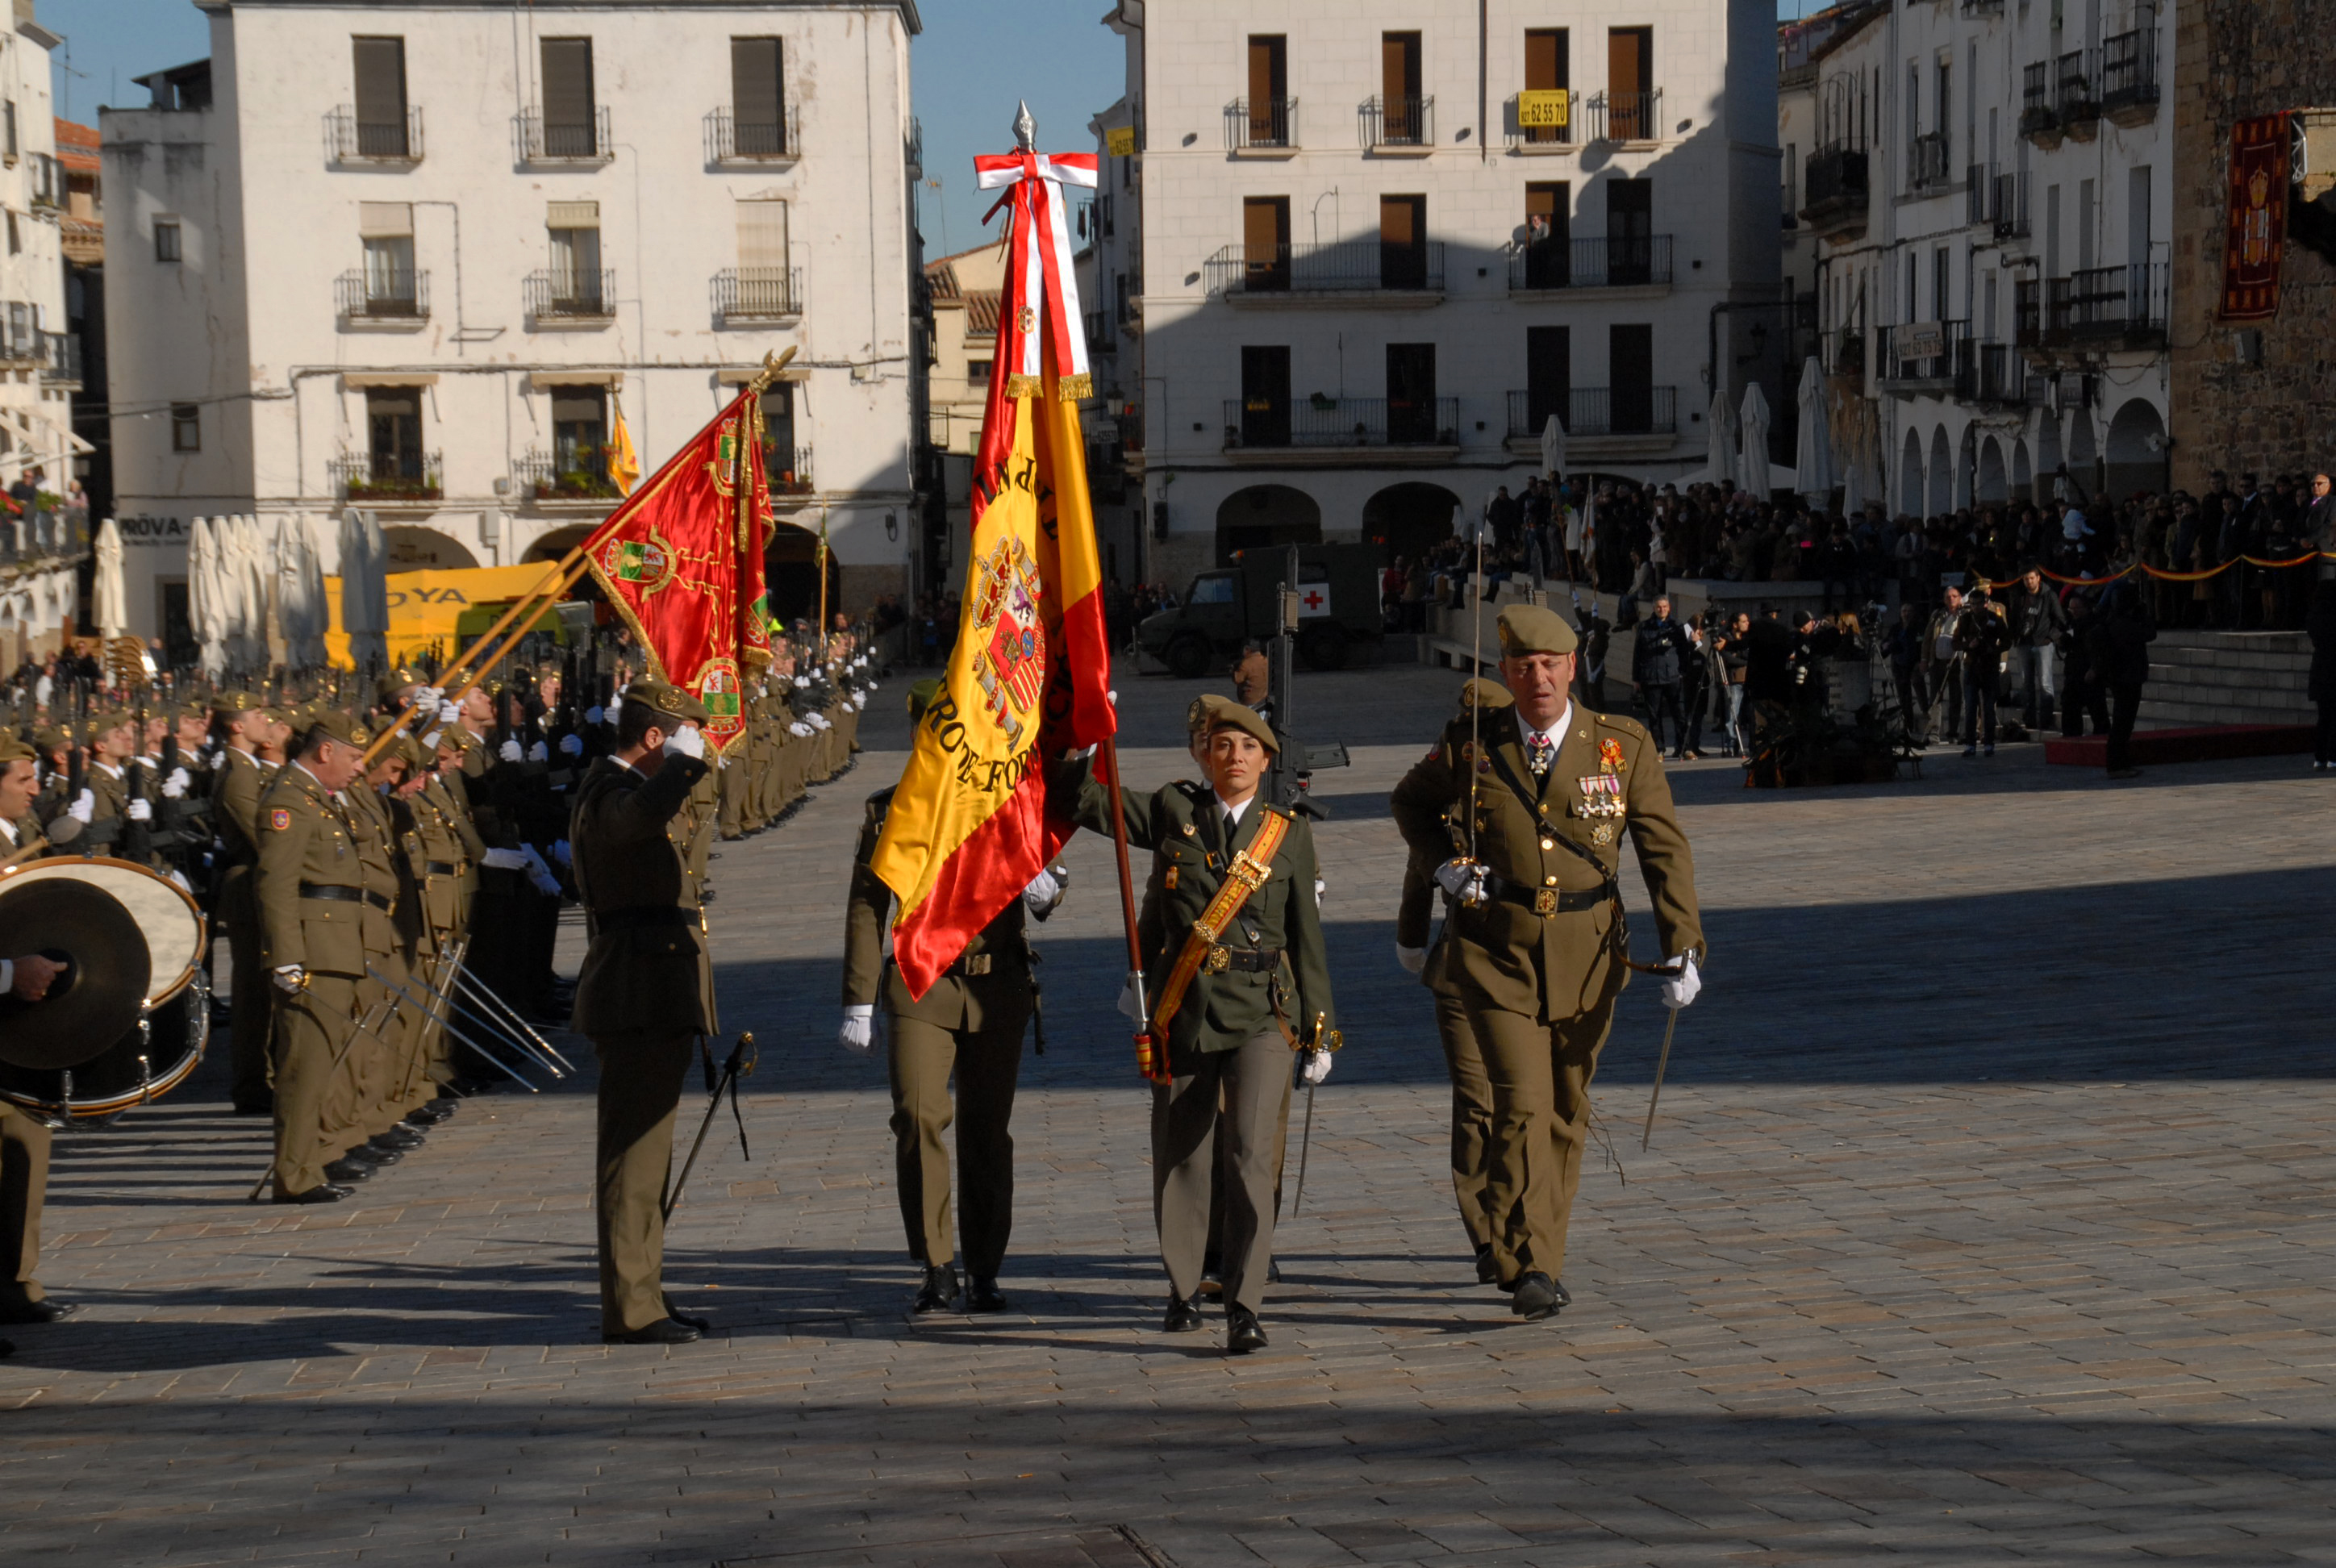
(1548, 69)
(1411, 394)
(1265, 241)
(758, 98)
(167, 246)
(1631, 376)
(1265, 395)
(379, 69)
(186, 427)
(1269, 89)
(1631, 83)
(1549, 378)
(1403, 241)
(1403, 114)
(1549, 234)
(1629, 231)
(567, 100)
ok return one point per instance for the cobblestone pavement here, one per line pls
(1987, 1220)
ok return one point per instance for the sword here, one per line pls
(740, 1063)
(376, 1018)
(1666, 971)
(448, 1024)
(1305, 1147)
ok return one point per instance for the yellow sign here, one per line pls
(1542, 109)
(425, 607)
(1120, 141)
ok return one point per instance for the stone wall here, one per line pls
(2234, 59)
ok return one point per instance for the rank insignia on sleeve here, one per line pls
(279, 819)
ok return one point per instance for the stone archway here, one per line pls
(1265, 516)
(1941, 497)
(1409, 518)
(559, 541)
(1910, 477)
(1992, 485)
(2137, 449)
(413, 548)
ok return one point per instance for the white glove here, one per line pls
(858, 1034)
(510, 752)
(595, 714)
(859, 699)
(573, 745)
(141, 812)
(84, 807)
(803, 680)
(539, 873)
(819, 721)
(1321, 887)
(184, 887)
(504, 861)
(561, 852)
(872, 684)
(1314, 1068)
(175, 786)
(448, 713)
(1043, 894)
(1462, 882)
(686, 741)
(1681, 989)
(799, 728)
(288, 978)
(539, 752)
(1413, 959)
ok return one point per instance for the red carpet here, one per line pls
(2213, 743)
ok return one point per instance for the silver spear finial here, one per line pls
(1026, 130)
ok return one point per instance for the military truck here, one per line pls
(1338, 608)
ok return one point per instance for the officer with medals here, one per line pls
(646, 991)
(968, 1026)
(1231, 926)
(1524, 820)
(1464, 1059)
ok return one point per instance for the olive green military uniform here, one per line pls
(969, 1023)
(310, 888)
(1539, 964)
(236, 788)
(644, 995)
(25, 1141)
(1230, 1040)
(441, 857)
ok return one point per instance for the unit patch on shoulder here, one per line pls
(279, 819)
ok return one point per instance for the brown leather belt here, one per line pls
(1544, 901)
(645, 918)
(1242, 960)
(440, 869)
(325, 892)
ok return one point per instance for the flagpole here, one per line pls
(1150, 1056)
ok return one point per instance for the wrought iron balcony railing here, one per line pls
(730, 140)
(349, 140)
(1261, 124)
(1335, 422)
(1614, 261)
(1346, 266)
(1399, 121)
(389, 475)
(362, 293)
(1587, 411)
(535, 140)
(553, 295)
(757, 292)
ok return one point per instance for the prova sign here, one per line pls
(154, 531)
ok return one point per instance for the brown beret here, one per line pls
(396, 681)
(1530, 629)
(1211, 713)
(14, 750)
(233, 702)
(667, 704)
(332, 724)
(48, 738)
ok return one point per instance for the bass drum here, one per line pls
(168, 915)
(148, 1062)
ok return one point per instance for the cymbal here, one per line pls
(95, 1001)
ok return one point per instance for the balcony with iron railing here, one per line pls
(1587, 412)
(1261, 126)
(787, 471)
(2121, 304)
(61, 360)
(349, 140)
(535, 140)
(1836, 193)
(1927, 162)
(1101, 336)
(1547, 118)
(730, 140)
(556, 296)
(1922, 357)
(1624, 116)
(372, 296)
(1615, 261)
(752, 294)
(2129, 76)
(1398, 125)
(2007, 208)
(2037, 116)
(539, 476)
(388, 476)
(2076, 94)
(1268, 424)
(43, 539)
(1349, 269)
(1999, 377)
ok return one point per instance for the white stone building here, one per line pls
(1366, 250)
(419, 257)
(1989, 184)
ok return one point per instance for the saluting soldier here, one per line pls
(1232, 924)
(1524, 822)
(311, 890)
(237, 784)
(645, 994)
(1464, 1059)
(968, 1025)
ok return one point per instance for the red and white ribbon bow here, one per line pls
(1042, 233)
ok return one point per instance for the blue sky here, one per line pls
(975, 60)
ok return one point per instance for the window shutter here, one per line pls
(755, 95)
(762, 233)
(379, 71)
(571, 215)
(385, 220)
(567, 82)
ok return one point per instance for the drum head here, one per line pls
(98, 999)
(171, 921)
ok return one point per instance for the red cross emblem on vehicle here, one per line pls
(1314, 599)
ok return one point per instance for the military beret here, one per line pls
(334, 725)
(48, 738)
(415, 753)
(1530, 629)
(1480, 693)
(921, 696)
(665, 704)
(280, 715)
(1211, 713)
(455, 738)
(233, 702)
(396, 680)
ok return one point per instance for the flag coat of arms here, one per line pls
(682, 562)
(1030, 672)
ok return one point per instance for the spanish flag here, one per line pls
(624, 462)
(1028, 679)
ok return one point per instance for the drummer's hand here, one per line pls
(289, 979)
(34, 975)
(140, 810)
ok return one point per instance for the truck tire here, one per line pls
(1188, 657)
(1324, 648)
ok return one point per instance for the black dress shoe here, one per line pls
(429, 1115)
(939, 1292)
(345, 1170)
(1487, 1269)
(981, 1295)
(395, 1140)
(322, 1192)
(1183, 1318)
(664, 1331)
(703, 1325)
(1244, 1335)
(1536, 1297)
(366, 1153)
(43, 1311)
